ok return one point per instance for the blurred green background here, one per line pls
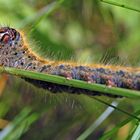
(85, 31)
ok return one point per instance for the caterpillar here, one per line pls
(15, 52)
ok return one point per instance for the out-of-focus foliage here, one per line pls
(86, 31)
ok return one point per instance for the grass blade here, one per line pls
(136, 135)
(19, 125)
(120, 5)
(108, 134)
(31, 23)
(73, 83)
(97, 123)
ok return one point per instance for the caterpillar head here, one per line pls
(9, 37)
(10, 43)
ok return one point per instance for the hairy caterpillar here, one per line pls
(14, 52)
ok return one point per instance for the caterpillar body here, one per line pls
(15, 52)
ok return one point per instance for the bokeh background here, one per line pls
(84, 31)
